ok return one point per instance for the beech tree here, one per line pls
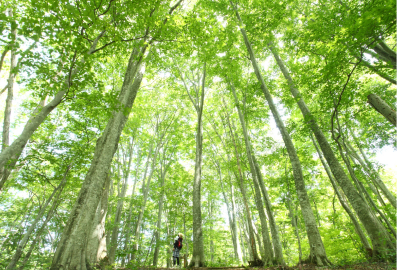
(263, 131)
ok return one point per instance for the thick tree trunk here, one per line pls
(317, 251)
(96, 247)
(268, 256)
(10, 155)
(371, 223)
(56, 192)
(383, 108)
(72, 246)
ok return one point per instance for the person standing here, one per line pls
(177, 247)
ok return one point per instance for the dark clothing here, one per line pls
(178, 243)
(176, 259)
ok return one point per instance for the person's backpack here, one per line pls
(180, 244)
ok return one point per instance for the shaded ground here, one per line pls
(359, 266)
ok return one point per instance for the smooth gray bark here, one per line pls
(294, 219)
(371, 223)
(96, 247)
(383, 108)
(71, 250)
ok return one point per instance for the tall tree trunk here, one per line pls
(232, 211)
(120, 202)
(375, 176)
(10, 155)
(145, 192)
(56, 192)
(293, 217)
(210, 216)
(268, 255)
(96, 247)
(371, 223)
(343, 202)
(234, 225)
(127, 224)
(278, 250)
(317, 251)
(10, 84)
(231, 215)
(363, 190)
(245, 233)
(186, 242)
(198, 259)
(242, 235)
(72, 246)
(163, 172)
(251, 242)
(351, 153)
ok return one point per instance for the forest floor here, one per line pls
(358, 266)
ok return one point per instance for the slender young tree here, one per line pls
(268, 256)
(197, 99)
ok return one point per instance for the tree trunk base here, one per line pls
(256, 263)
(193, 264)
(317, 260)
